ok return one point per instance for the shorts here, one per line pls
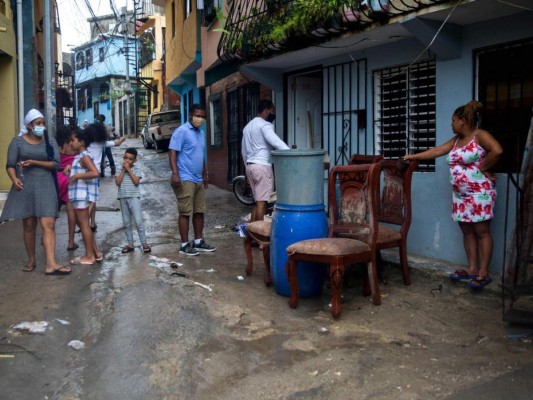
(191, 198)
(80, 204)
(261, 178)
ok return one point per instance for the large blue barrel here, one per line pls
(299, 215)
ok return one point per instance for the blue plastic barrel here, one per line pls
(299, 215)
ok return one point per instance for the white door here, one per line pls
(305, 112)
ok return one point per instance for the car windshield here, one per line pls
(166, 117)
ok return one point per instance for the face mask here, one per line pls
(39, 131)
(271, 117)
(197, 122)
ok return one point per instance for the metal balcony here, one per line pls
(252, 25)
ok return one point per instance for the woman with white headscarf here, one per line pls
(33, 194)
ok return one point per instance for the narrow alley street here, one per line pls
(215, 333)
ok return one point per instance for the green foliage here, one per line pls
(283, 20)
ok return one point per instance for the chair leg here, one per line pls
(336, 273)
(247, 241)
(266, 258)
(404, 264)
(290, 269)
(374, 283)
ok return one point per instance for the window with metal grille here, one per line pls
(404, 104)
(505, 87)
(215, 119)
(88, 57)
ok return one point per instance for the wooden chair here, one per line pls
(359, 159)
(259, 231)
(395, 208)
(354, 211)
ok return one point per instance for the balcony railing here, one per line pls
(259, 28)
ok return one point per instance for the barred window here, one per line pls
(504, 86)
(89, 57)
(404, 107)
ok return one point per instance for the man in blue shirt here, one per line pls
(186, 153)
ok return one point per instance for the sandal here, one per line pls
(146, 248)
(127, 249)
(479, 282)
(461, 275)
(29, 268)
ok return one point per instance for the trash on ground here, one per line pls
(162, 263)
(520, 336)
(76, 344)
(208, 287)
(323, 330)
(241, 230)
(220, 226)
(62, 321)
(178, 274)
(31, 327)
(211, 270)
(480, 339)
(240, 277)
(436, 290)
(7, 356)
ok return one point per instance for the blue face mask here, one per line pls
(39, 131)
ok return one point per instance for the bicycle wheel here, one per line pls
(242, 191)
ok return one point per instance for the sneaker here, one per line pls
(203, 246)
(188, 250)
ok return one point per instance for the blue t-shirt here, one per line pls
(189, 142)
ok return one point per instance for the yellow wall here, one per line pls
(210, 39)
(8, 92)
(181, 48)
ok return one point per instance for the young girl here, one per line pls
(66, 157)
(82, 191)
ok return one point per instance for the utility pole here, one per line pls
(126, 54)
(49, 70)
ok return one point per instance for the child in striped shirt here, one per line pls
(130, 200)
(82, 191)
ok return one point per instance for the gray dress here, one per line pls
(39, 197)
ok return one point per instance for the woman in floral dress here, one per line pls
(471, 154)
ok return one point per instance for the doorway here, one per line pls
(304, 106)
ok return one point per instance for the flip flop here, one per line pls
(99, 259)
(461, 275)
(76, 245)
(127, 249)
(58, 272)
(29, 268)
(146, 248)
(479, 282)
(78, 260)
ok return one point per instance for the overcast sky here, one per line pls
(73, 16)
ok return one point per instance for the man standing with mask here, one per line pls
(259, 138)
(186, 153)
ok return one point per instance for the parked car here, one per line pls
(158, 129)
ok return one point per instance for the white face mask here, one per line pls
(38, 131)
(197, 122)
